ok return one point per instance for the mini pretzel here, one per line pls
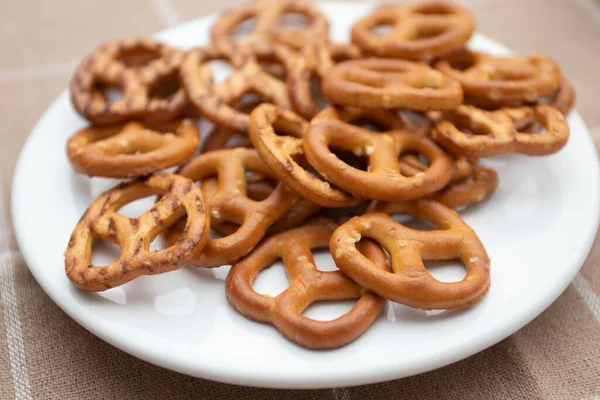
(230, 203)
(307, 286)
(133, 149)
(180, 197)
(145, 71)
(268, 26)
(313, 62)
(410, 283)
(489, 80)
(411, 164)
(420, 30)
(376, 83)
(383, 179)
(473, 132)
(216, 101)
(283, 154)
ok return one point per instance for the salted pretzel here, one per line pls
(420, 30)
(474, 132)
(269, 26)
(217, 101)
(313, 62)
(132, 149)
(307, 286)
(145, 71)
(230, 203)
(284, 154)
(383, 179)
(180, 197)
(410, 283)
(387, 83)
(495, 81)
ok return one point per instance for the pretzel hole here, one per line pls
(328, 310)
(415, 223)
(104, 252)
(446, 270)
(274, 68)
(220, 69)
(357, 158)
(292, 20)
(243, 29)
(370, 124)
(272, 280)
(316, 94)
(382, 29)
(461, 60)
(426, 32)
(324, 260)
(137, 57)
(109, 92)
(165, 87)
(137, 207)
(247, 102)
(433, 9)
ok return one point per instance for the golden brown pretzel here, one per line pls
(563, 98)
(230, 203)
(473, 132)
(420, 30)
(312, 63)
(387, 83)
(180, 197)
(268, 26)
(217, 101)
(284, 155)
(489, 80)
(145, 71)
(472, 190)
(383, 179)
(410, 283)
(133, 149)
(307, 286)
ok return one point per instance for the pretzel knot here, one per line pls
(313, 63)
(496, 81)
(217, 101)
(382, 180)
(101, 220)
(269, 26)
(230, 203)
(376, 83)
(307, 286)
(284, 154)
(410, 283)
(146, 73)
(133, 149)
(474, 132)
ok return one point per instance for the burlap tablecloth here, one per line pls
(45, 354)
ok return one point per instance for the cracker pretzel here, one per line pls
(217, 101)
(383, 179)
(231, 203)
(179, 197)
(387, 83)
(133, 149)
(409, 283)
(145, 71)
(420, 30)
(496, 81)
(473, 132)
(307, 286)
(269, 27)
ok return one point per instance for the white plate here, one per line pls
(538, 228)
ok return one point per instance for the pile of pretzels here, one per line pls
(410, 112)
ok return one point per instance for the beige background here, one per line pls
(44, 354)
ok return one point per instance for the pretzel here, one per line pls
(473, 132)
(145, 71)
(217, 101)
(133, 149)
(420, 30)
(230, 203)
(563, 98)
(269, 27)
(463, 168)
(376, 83)
(307, 286)
(410, 283)
(383, 179)
(285, 155)
(496, 81)
(180, 197)
(313, 62)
